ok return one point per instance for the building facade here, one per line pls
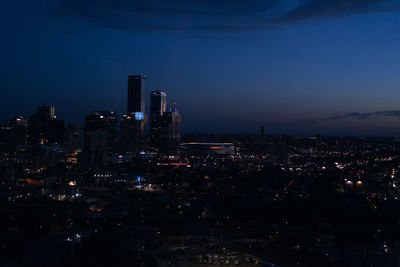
(170, 133)
(158, 106)
(136, 93)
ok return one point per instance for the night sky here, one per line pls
(297, 67)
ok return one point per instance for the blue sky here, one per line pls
(297, 67)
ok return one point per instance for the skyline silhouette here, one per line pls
(289, 66)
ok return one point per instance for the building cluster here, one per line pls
(105, 137)
(227, 199)
(125, 188)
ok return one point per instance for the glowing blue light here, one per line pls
(139, 178)
(139, 116)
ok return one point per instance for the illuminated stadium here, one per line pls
(208, 148)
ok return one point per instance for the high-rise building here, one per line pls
(74, 138)
(158, 106)
(262, 134)
(158, 103)
(56, 131)
(136, 93)
(14, 132)
(18, 121)
(47, 111)
(133, 124)
(44, 127)
(74, 135)
(105, 121)
(100, 137)
(170, 132)
(132, 135)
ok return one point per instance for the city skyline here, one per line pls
(199, 133)
(329, 67)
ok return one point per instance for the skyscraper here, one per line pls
(44, 127)
(158, 106)
(262, 134)
(100, 136)
(14, 131)
(158, 103)
(132, 132)
(74, 136)
(136, 93)
(46, 111)
(105, 121)
(133, 124)
(170, 132)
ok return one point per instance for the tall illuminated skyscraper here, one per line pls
(158, 103)
(158, 106)
(136, 93)
(133, 124)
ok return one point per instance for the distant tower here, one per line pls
(262, 134)
(132, 135)
(158, 106)
(14, 131)
(134, 123)
(100, 121)
(44, 127)
(74, 136)
(136, 93)
(158, 103)
(47, 111)
(100, 136)
(170, 132)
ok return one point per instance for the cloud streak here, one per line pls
(208, 15)
(309, 9)
(166, 15)
(366, 115)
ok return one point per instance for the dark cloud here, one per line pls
(207, 15)
(173, 7)
(163, 15)
(387, 128)
(367, 115)
(308, 9)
